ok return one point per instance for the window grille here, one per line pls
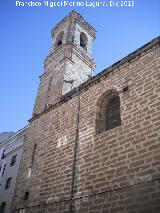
(113, 113)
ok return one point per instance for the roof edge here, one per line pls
(98, 77)
(73, 12)
(19, 132)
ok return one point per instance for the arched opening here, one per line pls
(108, 115)
(59, 39)
(83, 41)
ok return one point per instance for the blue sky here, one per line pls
(25, 41)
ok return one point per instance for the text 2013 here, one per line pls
(121, 3)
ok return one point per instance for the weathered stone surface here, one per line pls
(117, 170)
(68, 62)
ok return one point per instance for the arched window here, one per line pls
(83, 41)
(108, 113)
(59, 39)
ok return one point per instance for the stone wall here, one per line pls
(117, 170)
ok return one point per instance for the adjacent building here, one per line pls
(5, 135)
(10, 155)
(93, 146)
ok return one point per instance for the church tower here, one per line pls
(69, 62)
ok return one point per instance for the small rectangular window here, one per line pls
(2, 207)
(8, 183)
(13, 160)
(3, 169)
(3, 154)
(26, 195)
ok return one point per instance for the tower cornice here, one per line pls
(67, 50)
(74, 15)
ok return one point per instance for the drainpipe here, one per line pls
(74, 155)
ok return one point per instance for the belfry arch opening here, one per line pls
(83, 41)
(59, 39)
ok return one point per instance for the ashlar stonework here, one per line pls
(77, 167)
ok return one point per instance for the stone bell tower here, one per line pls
(69, 62)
